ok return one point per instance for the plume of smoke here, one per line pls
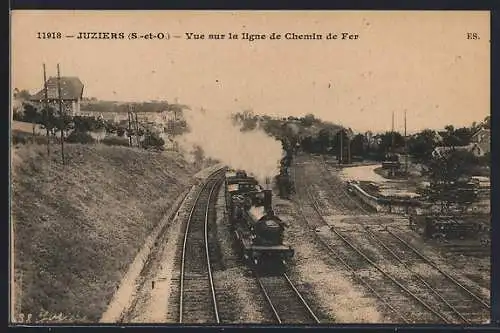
(221, 139)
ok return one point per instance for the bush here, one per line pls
(120, 131)
(152, 140)
(17, 116)
(116, 141)
(80, 137)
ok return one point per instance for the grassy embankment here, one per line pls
(78, 227)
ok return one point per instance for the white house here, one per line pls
(68, 88)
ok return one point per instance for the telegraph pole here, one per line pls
(391, 170)
(341, 146)
(348, 149)
(406, 150)
(392, 133)
(61, 112)
(46, 103)
(136, 129)
(130, 125)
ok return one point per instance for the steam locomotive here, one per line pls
(258, 231)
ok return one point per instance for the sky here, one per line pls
(418, 62)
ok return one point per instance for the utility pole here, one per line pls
(46, 104)
(130, 125)
(392, 133)
(341, 146)
(348, 149)
(406, 150)
(61, 112)
(391, 154)
(136, 129)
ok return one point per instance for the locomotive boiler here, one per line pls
(258, 231)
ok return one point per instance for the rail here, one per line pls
(213, 181)
(451, 278)
(458, 313)
(425, 259)
(352, 270)
(358, 251)
(280, 290)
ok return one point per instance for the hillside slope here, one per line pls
(78, 227)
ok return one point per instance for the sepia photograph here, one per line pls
(250, 167)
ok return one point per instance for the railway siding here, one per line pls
(442, 298)
(318, 270)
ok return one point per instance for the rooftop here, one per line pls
(71, 89)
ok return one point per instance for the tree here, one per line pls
(454, 137)
(325, 140)
(487, 122)
(248, 124)
(385, 145)
(420, 146)
(48, 119)
(80, 137)
(120, 131)
(463, 135)
(308, 120)
(358, 145)
(152, 140)
(31, 114)
(22, 94)
(83, 124)
(17, 116)
(63, 122)
(449, 177)
(110, 127)
(198, 154)
(308, 144)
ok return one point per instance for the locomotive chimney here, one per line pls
(268, 195)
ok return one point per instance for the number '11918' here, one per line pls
(49, 35)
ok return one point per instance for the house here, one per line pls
(481, 142)
(479, 145)
(71, 93)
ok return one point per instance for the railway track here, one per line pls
(310, 216)
(463, 302)
(286, 302)
(443, 299)
(197, 298)
(340, 195)
(397, 292)
(443, 284)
